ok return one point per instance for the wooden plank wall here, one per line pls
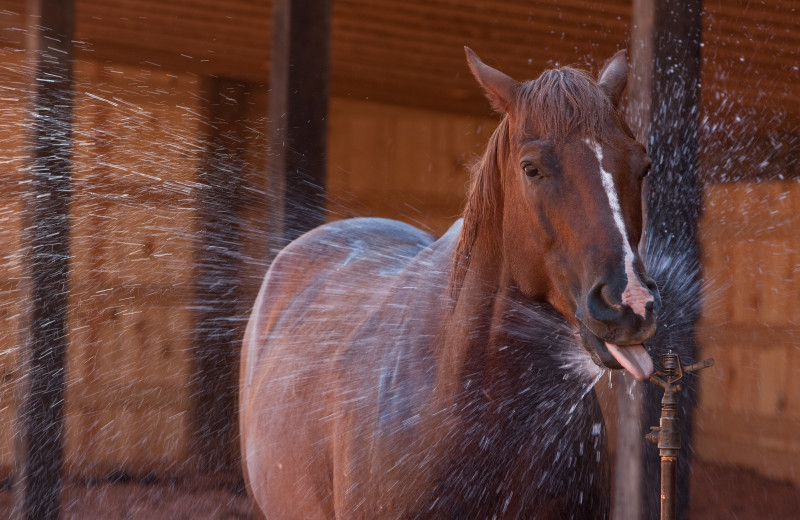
(749, 406)
(11, 145)
(408, 164)
(137, 150)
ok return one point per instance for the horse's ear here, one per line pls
(500, 89)
(614, 76)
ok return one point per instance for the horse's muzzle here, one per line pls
(614, 324)
(622, 317)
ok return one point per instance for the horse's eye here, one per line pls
(530, 170)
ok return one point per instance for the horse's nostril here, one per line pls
(607, 294)
(654, 305)
(601, 303)
(608, 307)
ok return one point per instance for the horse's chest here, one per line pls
(507, 464)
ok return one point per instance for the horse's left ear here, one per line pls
(614, 76)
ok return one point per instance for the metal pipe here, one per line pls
(667, 434)
(669, 487)
(669, 445)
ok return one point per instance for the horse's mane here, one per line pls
(558, 103)
(484, 204)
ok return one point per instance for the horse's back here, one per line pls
(314, 297)
(334, 272)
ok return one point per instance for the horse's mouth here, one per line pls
(633, 358)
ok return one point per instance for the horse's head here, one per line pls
(565, 180)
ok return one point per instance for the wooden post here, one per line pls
(673, 206)
(39, 427)
(629, 482)
(298, 110)
(219, 325)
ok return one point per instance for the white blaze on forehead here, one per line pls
(635, 295)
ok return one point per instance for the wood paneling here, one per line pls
(9, 364)
(395, 162)
(11, 160)
(749, 407)
(130, 321)
(128, 392)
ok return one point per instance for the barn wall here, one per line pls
(11, 145)
(750, 400)
(402, 163)
(136, 152)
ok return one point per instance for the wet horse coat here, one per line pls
(386, 374)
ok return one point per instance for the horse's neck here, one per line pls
(475, 315)
(494, 327)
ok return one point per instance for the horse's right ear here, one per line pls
(500, 89)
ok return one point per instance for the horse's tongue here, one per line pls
(634, 359)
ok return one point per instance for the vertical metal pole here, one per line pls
(674, 193)
(218, 324)
(298, 109)
(629, 478)
(669, 445)
(669, 487)
(668, 432)
(39, 427)
(673, 204)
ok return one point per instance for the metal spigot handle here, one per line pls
(700, 364)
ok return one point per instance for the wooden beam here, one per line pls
(628, 472)
(298, 110)
(218, 325)
(39, 427)
(673, 208)
(629, 482)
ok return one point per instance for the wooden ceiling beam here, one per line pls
(442, 27)
(783, 13)
(422, 41)
(567, 12)
(115, 53)
(192, 22)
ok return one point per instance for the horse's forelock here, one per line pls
(563, 101)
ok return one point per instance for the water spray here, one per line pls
(667, 434)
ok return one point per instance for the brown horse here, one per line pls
(386, 374)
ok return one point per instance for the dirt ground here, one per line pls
(717, 493)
